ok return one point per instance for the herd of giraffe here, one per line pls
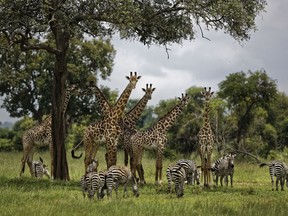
(118, 128)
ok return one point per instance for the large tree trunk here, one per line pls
(58, 120)
(62, 37)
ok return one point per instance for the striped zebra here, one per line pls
(278, 169)
(176, 173)
(40, 169)
(224, 167)
(91, 181)
(117, 175)
(192, 173)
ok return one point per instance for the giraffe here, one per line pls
(154, 137)
(206, 139)
(128, 122)
(41, 135)
(107, 130)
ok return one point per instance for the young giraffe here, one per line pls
(107, 130)
(41, 135)
(206, 139)
(154, 137)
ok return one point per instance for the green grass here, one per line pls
(251, 194)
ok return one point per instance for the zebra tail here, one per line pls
(73, 151)
(263, 164)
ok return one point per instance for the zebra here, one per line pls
(120, 175)
(278, 169)
(40, 169)
(192, 173)
(176, 173)
(224, 167)
(91, 181)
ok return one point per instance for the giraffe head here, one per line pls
(148, 91)
(207, 93)
(133, 79)
(184, 99)
(73, 89)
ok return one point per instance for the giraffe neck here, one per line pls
(102, 101)
(134, 114)
(66, 101)
(207, 116)
(118, 108)
(166, 121)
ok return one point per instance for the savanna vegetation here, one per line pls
(250, 195)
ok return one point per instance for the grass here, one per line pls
(251, 194)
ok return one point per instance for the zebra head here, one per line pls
(46, 171)
(231, 158)
(92, 167)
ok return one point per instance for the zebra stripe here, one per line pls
(192, 173)
(176, 173)
(278, 169)
(40, 169)
(117, 175)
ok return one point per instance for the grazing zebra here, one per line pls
(120, 175)
(224, 167)
(176, 173)
(280, 171)
(40, 169)
(192, 173)
(91, 181)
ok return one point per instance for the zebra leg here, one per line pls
(231, 180)
(282, 180)
(226, 180)
(221, 180)
(277, 182)
(272, 182)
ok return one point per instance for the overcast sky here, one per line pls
(202, 62)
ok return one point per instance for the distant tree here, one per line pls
(51, 25)
(244, 93)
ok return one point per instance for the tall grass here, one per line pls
(251, 194)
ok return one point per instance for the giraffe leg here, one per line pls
(126, 157)
(24, 159)
(29, 161)
(51, 148)
(158, 174)
(111, 154)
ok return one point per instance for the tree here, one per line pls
(245, 93)
(56, 22)
(25, 78)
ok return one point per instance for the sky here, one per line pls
(202, 62)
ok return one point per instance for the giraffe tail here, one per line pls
(73, 151)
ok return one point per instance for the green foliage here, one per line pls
(245, 93)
